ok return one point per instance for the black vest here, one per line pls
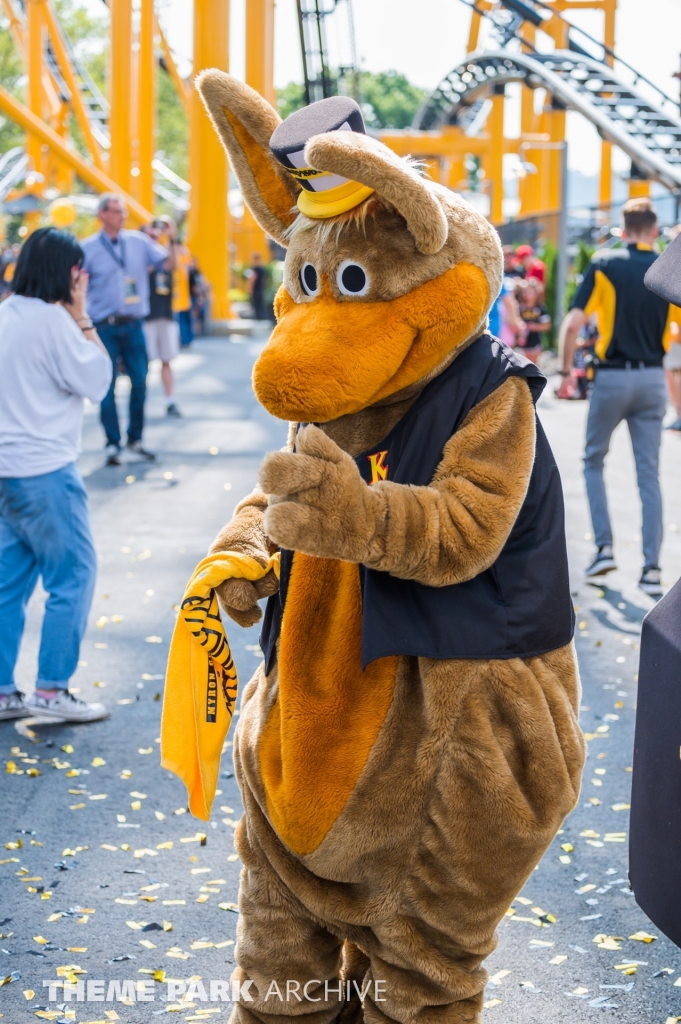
(521, 605)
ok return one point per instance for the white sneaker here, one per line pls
(13, 705)
(64, 705)
(651, 582)
(602, 564)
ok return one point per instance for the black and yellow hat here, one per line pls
(322, 194)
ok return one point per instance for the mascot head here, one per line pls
(387, 274)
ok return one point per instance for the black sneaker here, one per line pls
(113, 455)
(138, 448)
(173, 411)
(602, 564)
(650, 582)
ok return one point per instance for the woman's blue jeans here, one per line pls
(45, 531)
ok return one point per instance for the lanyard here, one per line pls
(120, 260)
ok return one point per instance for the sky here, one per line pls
(425, 39)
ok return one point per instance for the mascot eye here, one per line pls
(309, 279)
(352, 279)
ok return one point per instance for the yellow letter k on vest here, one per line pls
(379, 471)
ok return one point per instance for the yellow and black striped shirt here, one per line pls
(633, 323)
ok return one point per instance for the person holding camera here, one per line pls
(51, 359)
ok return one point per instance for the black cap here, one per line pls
(337, 113)
(664, 276)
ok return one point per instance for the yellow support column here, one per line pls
(248, 237)
(260, 48)
(146, 104)
(120, 93)
(605, 180)
(35, 34)
(494, 162)
(208, 217)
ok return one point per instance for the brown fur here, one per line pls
(368, 161)
(462, 808)
(389, 253)
(441, 534)
(392, 813)
(244, 533)
(245, 122)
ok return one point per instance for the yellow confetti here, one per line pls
(165, 846)
(153, 639)
(53, 917)
(568, 847)
(167, 926)
(159, 815)
(40, 940)
(136, 805)
(108, 846)
(233, 906)
(203, 898)
(607, 941)
(621, 807)
(643, 937)
(145, 750)
(28, 993)
(174, 903)
(98, 796)
(233, 857)
(491, 1002)
(77, 949)
(76, 807)
(497, 978)
(558, 960)
(626, 968)
(147, 944)
(97, 762)
(120, 818)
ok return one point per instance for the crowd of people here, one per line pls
(121, 298)
(520, 316)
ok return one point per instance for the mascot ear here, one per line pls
(366, 160)
(245, 122)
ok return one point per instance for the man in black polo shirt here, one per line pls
(634, 331)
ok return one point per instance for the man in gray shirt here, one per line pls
(119, 262)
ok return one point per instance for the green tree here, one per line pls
(12, 78)
(172, 127)
(291, 97)
(389, 99)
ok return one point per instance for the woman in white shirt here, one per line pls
(50, 360)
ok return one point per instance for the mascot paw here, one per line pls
(317, 500)
(239, 598)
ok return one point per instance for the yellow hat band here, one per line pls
(319, 205)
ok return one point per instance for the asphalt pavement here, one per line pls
(105, 876)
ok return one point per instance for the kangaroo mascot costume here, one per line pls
(410, 746)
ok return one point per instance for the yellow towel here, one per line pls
(201, 681)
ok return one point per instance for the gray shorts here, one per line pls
(162, 338)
